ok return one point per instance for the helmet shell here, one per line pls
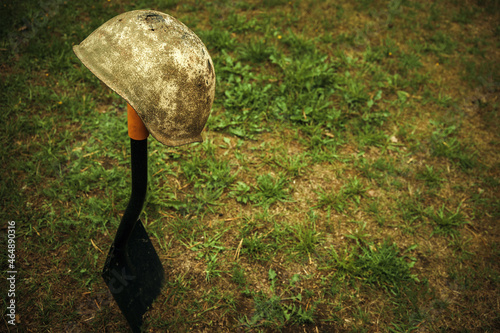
(160, 67)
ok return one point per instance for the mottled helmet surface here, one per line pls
(160, 67)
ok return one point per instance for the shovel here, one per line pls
(133, 272)
(165, 72)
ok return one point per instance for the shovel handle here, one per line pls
(136, 128)
(139, 162)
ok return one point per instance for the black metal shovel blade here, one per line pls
(134, 276)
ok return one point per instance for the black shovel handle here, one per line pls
(138, 134)
(139, 159)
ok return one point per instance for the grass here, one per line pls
(347, 180)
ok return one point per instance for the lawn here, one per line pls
(346, 181)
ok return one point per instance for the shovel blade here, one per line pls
(134, 276)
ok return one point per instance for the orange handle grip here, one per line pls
(136, 128)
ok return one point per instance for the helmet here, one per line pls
(160, 67)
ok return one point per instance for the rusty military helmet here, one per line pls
(160, 67)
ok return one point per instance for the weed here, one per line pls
(461, 245)
(359, 235)
(256, 248)
(271, 189)
(432, 22)
(238, 275)
(408, 62)
(412, 213)
(297, 45)
(441, 44)
(331, 200)
(370, 136)
(383, 266)
(445, 144)
(483, 73)
(241, 192)
(307, 85)
(464, 15)
(321, 144)
(430, 176)
(209, 249)
(354, 190)
(378, 169)
(273, 3)
(218, 40)
(257, 51)
(293, 164)
(245, 100)
(307, 238)
(208, 172)
(275, 310)
(238, 23)
(354, 92)
(445, 221)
